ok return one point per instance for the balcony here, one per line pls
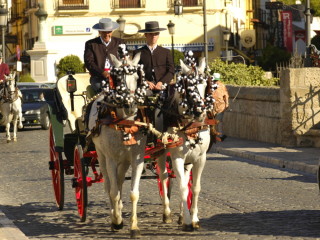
(116, 4)
(187, 3)
(73, 4)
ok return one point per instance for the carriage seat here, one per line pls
(83, 80)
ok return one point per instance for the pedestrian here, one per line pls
(157, 61)
(97, 52)
(221, 97)
(157, 65)
(4, 69)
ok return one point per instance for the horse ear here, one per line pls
(202, 65)
(117, 63)
(184, 67)
(136, 59)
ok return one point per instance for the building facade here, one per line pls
(68, 25)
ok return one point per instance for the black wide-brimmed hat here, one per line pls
(151, 27)
(106, 25)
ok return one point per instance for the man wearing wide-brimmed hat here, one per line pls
(157, 61)
(97, 52)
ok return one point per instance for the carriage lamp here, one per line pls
(178, 7)
(122, 23)
(71, 84)
(171, 31)
(3, 24)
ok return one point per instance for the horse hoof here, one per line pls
(14, 139)
(20, 126)
(116, 227)
(167, 218)
(8, 141)
(135, 233)
(196, 225)
(187, 228)
(180, 220)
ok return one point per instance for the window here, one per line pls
(73, 4)
(127, 4)
(190, 3)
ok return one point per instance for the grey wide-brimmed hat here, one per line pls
(151, 27)
(105, 24)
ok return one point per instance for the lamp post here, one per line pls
(205, 36)
(122, 22)
(226, 37)
(307, 62)
(171, 31)
(178, 7)
(3, 24)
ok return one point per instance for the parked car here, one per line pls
(22, 85)
(35, 106)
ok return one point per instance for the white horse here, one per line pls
(11, 106)
(188, 109)
(120, 143)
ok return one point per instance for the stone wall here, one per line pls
(289, 115)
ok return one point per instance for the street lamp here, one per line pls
(3, 24)
(226, 38)
(171, 31)
(307, 62)
(122, 22)
(178, 7)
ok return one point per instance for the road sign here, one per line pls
(18, 52)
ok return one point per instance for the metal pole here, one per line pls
(227, 52)
(3, 44)
(172, 48)
(205, 37)
(307, 62)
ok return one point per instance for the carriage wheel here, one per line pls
(189, 198)
(56, 167)
(80, 182)
(169, 183)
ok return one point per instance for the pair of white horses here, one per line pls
(10, 107)
(115, 158)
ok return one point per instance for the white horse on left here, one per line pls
(120, 143)
(11, 106)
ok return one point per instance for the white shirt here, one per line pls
(152, 49)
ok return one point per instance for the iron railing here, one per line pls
(73, 4)
(187, 3)
(128, 4)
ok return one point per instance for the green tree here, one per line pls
(70, 62)
(177, 56)
(314, 4)
(272, 55)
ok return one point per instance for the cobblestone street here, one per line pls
(240, 199)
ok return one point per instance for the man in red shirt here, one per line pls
(4, 69)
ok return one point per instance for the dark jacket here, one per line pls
(95, 54)
(160, 60)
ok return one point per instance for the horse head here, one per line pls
(10, 86)
(192, 89)
(127, 86)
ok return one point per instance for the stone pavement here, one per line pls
(305, 159)
(302, 159)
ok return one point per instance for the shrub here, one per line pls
(177, 56)
(241, 74)
(70, 62)
(316, 41)
(26, 78)
(272, 55)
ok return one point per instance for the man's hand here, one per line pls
(106, 74)
(151, 85)
(158, 86)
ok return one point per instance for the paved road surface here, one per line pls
(240, 199)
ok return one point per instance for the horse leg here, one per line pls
(14, 122)
(8, 132)
(137, 168)
(196, 188)
(163, 174)
(178, 165)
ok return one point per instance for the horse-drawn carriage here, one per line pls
(74, 150)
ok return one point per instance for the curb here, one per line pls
(8, 230)
(294, 165)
